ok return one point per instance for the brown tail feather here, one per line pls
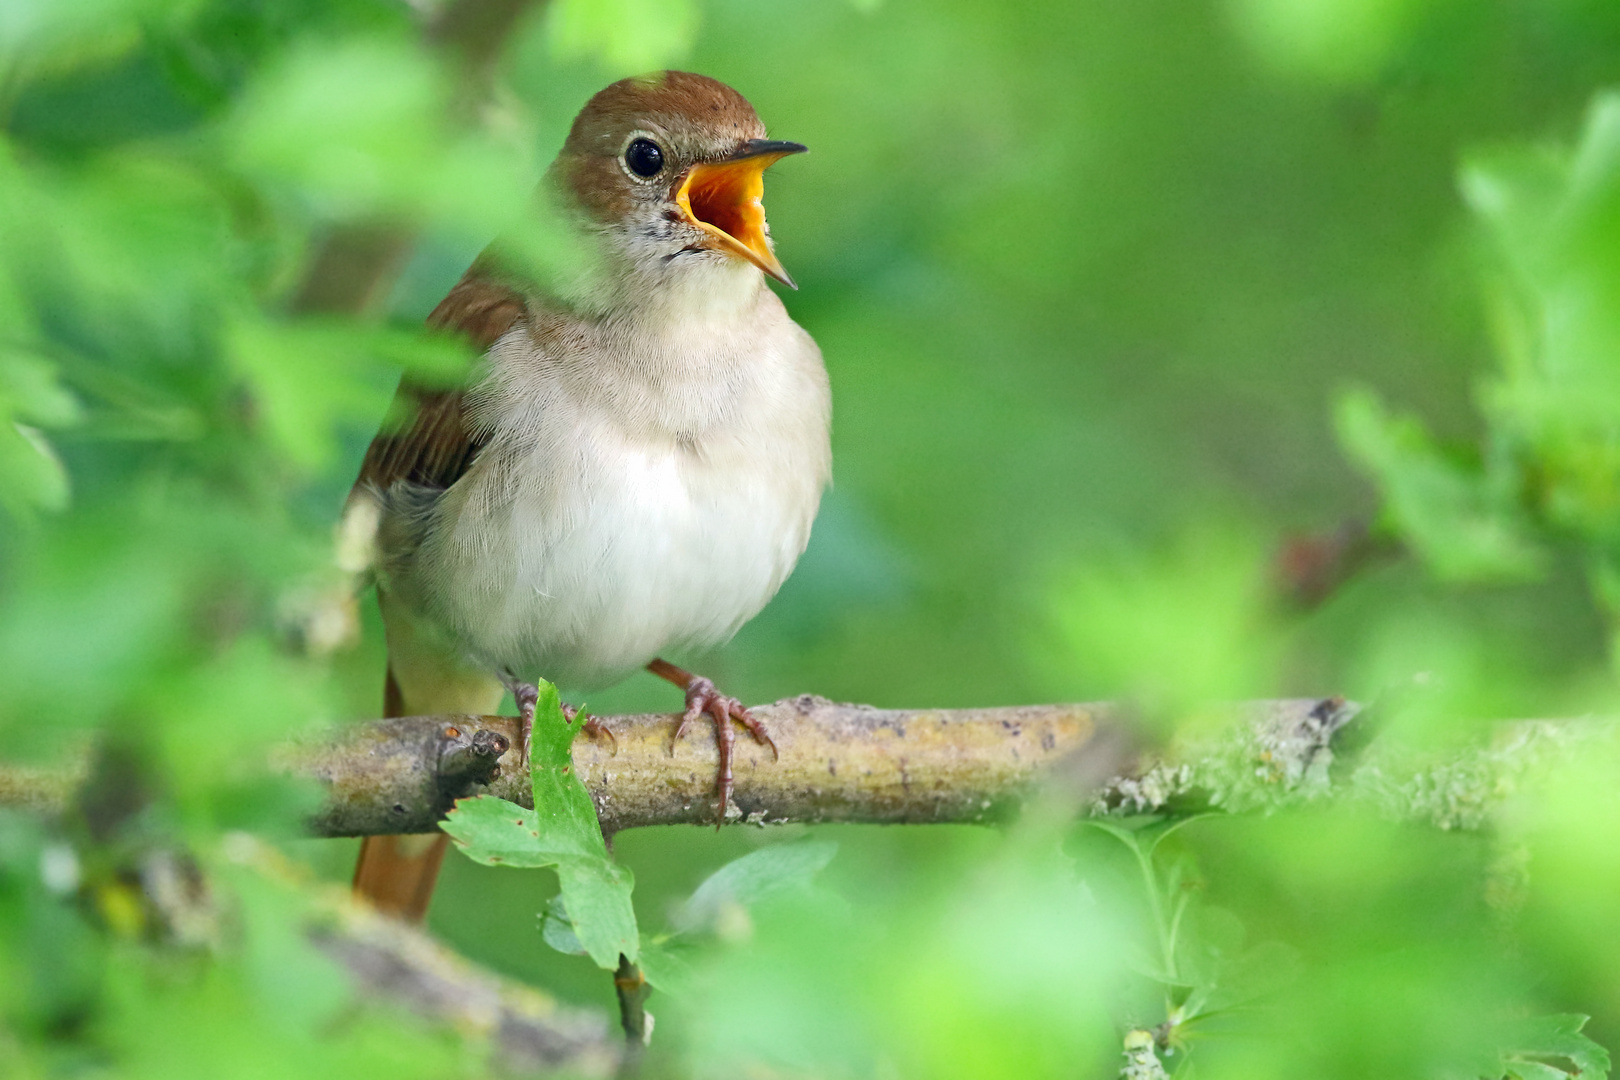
(397, 873)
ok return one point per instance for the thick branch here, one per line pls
(837, 763)
(855, 763)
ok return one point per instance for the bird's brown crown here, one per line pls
(697, 117)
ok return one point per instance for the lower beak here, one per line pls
(723, 199)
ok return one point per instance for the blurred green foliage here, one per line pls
(1116, 299)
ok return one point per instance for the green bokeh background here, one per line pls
(1090, 280)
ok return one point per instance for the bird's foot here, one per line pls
(527, 696)
(701, 698)
(593, 727)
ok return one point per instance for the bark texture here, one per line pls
(837, 763)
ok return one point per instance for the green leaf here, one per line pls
(596, 891)
(753, 878)
(557, 929)
(565, 807)
(562, 833)
(32, 476)
(664, 966)
(352, 126)
(660, 958)
(1535, 1070)
(1553, 1048)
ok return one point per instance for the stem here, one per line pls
(1144, 859)
(1175, 924)
(632, 989)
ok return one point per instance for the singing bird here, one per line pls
(634, 466)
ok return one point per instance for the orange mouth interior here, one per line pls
(723, 199)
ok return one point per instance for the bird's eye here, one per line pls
(644, 157)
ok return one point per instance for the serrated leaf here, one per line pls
(752, 878)
(562, 833)
(597, 891)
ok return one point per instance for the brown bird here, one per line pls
(635, 465)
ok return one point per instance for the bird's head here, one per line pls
(668, 169)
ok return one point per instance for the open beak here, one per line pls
(722, 199)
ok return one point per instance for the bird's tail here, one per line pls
(397, 873)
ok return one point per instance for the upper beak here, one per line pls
(722, 199)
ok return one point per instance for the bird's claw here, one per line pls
(527, 696)
(592, 727)
(702, 697)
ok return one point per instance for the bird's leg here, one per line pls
(702, 697)
(527, 696)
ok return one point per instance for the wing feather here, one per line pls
(426, 441)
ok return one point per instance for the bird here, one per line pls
(632, 468)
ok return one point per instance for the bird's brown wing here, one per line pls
(426, 440)
(427, 444)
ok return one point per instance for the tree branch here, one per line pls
(388, 961)
(854, 763)
(529, 1030)
(837, 763)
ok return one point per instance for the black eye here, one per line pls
(644, 157)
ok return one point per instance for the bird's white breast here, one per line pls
(626, 505)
